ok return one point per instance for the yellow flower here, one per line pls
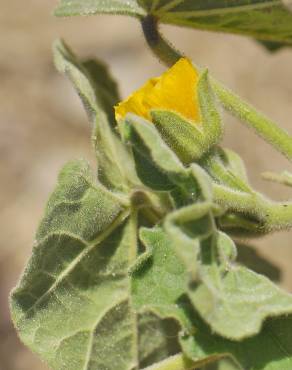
(175, 90)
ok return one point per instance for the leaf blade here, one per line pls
(55, 304)
(255, 18)
(269, 350)
(91, 7)
(98, 92)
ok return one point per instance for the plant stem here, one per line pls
(177, 362)
(161, 48)
(262, 125)
(284, 178)
(271, 216)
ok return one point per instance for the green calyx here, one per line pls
(190, 141)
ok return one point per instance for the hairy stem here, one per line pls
(271, 216)
(161, 48)
(262, 125)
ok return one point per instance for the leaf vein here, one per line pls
(74, 263)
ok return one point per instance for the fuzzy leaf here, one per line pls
(234, 292)
(266, 20)
(158, 339)
(227, 168)
(223, 289)
(160, 285)
(99, 93)
(262, 19)
(271, 349)
(73, 305)
(158, 278)
(159, 152)
(76, 286)
(186, 228)
(90, 7)
(104, 86)
(156, 164)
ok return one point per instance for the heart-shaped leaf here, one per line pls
(73, 304)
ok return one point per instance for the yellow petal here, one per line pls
(174, 90)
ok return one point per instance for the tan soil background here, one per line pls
(42, 124)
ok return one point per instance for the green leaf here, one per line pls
(157, 165)
(234, 163)
(226, 168)
(105, 88)
(77, 199)
(67, 63)
(271, 349)
(263, 19)
(159, 284)
(159, 152)
(73, 304)
(90, 7)
(158, 339)
(234, 292)
(222, 289)
(186, 228)
(75, 286)
(99, 93)
(158, 278)
(256, 18)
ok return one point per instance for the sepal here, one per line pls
(192, 140)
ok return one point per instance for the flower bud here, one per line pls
(181, 105)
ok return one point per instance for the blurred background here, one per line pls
(42, 123)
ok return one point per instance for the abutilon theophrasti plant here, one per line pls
(135, 265)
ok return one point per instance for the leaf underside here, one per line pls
(90, 7)
(267, 20)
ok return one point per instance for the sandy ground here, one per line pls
(42, 124)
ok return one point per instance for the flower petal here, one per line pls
(174, 90)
